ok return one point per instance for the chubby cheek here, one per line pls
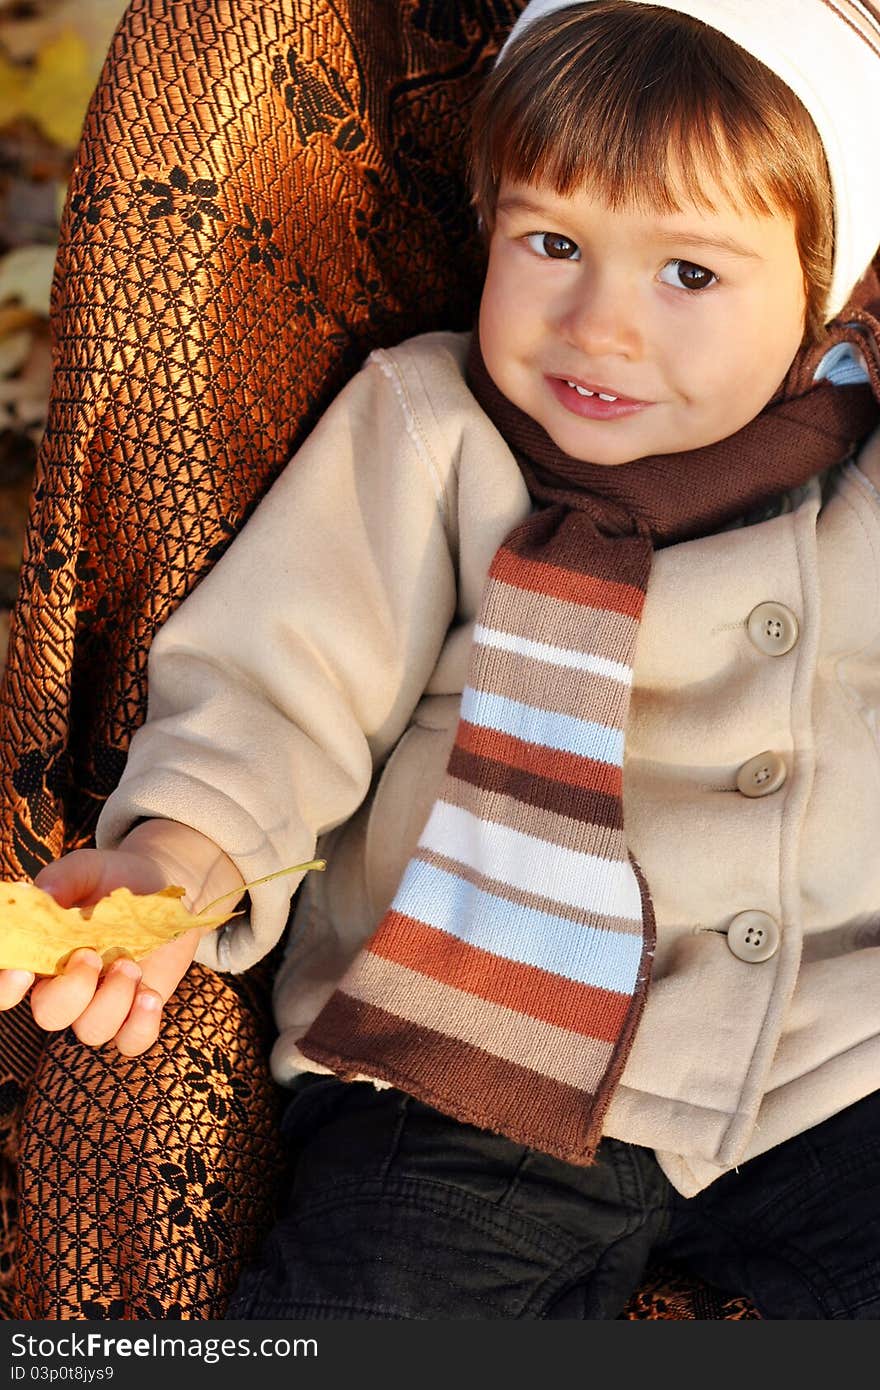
(488, 330)
(759, 374)
(733, 378)
(497, 325)
(511, 315)
(770, 337)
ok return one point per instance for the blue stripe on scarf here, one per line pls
(591, 956)
(582, 737)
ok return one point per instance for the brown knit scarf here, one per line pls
(506, 980)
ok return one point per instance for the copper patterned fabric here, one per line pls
(669, 1295)
(263, 193)
(144, 1183)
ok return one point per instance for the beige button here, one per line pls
(773, 628)
(753, 936)
(761, 775)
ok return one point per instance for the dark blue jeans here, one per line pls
(395, 1211)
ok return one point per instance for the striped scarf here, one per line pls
(505, 983)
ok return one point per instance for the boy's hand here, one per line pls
(124, 1003)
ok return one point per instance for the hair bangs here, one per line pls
(591, 144)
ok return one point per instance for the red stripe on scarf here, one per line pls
(542, 761)
(524, 988)
(588, 590)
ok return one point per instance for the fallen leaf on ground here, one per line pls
(26, 277)
(60, 86)
(26, 28)
(37, 934)
(25, 374)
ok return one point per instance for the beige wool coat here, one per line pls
(307, 693)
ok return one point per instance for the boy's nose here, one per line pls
(602, 318)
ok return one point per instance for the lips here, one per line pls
(593, 402)
(604, 393)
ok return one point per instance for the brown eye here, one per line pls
(685, 275)
(554, 245)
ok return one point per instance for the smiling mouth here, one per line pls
(601, 393)
(594, 402)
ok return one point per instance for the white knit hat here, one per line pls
(828, 53)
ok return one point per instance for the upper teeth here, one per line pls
(582, 391)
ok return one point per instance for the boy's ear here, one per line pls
(483, 226)
(482, 230)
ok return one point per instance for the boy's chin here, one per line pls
(603, 453)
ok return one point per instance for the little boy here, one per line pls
(563, 642)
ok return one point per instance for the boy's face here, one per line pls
(691, 319)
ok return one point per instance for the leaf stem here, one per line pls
(318, 864)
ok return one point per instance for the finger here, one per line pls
(164, 968)
(105, 1015)
(84, 876)
(141, 1029)
(14, 985)
(73, 878)
(58, 1000)
(162, 971)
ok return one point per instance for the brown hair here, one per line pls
(611, 94)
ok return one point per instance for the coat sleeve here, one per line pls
(295, 665)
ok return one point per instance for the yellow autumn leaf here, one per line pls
(14, 82)
(37, 934)
(59, 88)
(26, 28)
